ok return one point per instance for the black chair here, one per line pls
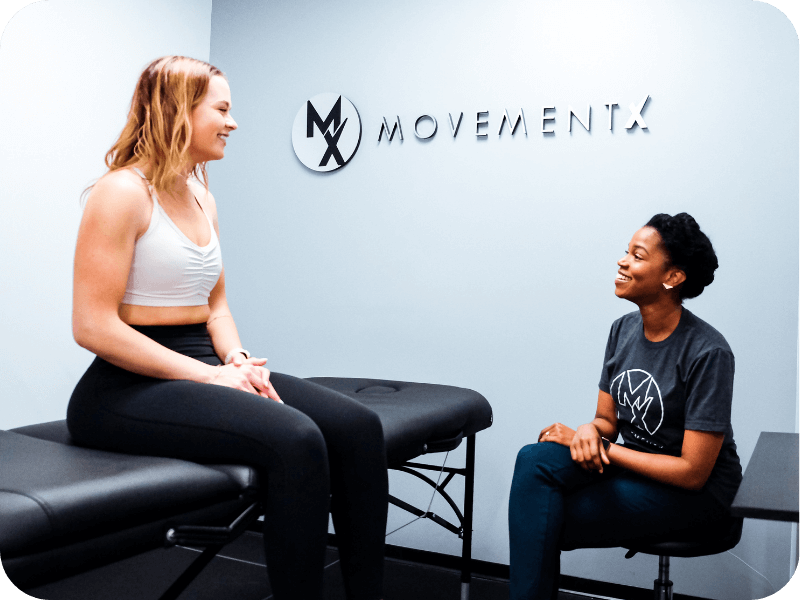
(686, 545)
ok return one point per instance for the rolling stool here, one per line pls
(686, 546)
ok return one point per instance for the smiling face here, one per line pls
(212, 122)
(645, 269)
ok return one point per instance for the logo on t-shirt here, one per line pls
(638, 390)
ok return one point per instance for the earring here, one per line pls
(667, 287)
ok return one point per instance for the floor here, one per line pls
(238, 573)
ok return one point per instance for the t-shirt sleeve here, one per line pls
(611, 345)
(709, 392)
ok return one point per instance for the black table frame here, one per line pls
(464, 528)
(213, 539)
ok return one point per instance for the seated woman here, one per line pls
(665, 388)
(170, 377)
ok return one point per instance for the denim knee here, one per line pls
(541, 460)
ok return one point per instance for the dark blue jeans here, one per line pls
(556, 505)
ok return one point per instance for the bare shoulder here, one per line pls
(205, 197)
(122, 197)
(203, 194)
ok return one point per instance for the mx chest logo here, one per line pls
(326, 132)
(638, 390)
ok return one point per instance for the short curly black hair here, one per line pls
(689, 249)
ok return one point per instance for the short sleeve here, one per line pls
(611, 346)
(709, 392)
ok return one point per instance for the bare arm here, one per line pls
(221, 326)
(586, 447)
(605, 417)
(117, 212)
(604, 424)
(690, 470)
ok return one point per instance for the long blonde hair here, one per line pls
(159, 128)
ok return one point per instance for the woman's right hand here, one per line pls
(558, 433)
(587, 448)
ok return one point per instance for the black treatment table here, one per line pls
(66, 509)
(769, 489)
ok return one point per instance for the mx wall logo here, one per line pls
(326, 132)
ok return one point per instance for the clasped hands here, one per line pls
(248, 375)
(585, 445)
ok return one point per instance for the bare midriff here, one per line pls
(133, 314)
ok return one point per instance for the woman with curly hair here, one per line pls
(171, 378)
(665, 388)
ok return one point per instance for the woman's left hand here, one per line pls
(257, 375)
(558, 433)
(587, 448)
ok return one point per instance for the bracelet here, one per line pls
(230, 354)
(606, 443)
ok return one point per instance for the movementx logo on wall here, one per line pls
(326, 144)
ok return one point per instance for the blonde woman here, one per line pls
(171, 377)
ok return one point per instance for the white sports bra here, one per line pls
(168, 268)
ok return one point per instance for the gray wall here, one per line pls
(489, 264)
(67, 73)
(478, 264)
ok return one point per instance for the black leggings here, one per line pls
(320, 451)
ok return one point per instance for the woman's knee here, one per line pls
(306, 443)
(542, 457)
(541, 464)
(357, 437)
(366, 422)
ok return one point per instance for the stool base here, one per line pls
(662, 587)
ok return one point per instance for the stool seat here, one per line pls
(691, 544)
(705, 541)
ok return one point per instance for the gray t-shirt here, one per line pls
(663, 388)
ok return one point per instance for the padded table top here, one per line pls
(417, 417)
(51, 491)
(769, 489)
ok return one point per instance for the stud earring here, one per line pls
(667, 287)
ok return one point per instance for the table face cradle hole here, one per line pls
(377, 389)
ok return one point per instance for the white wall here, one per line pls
(67, 73)
(489, 264)
(484, 265)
